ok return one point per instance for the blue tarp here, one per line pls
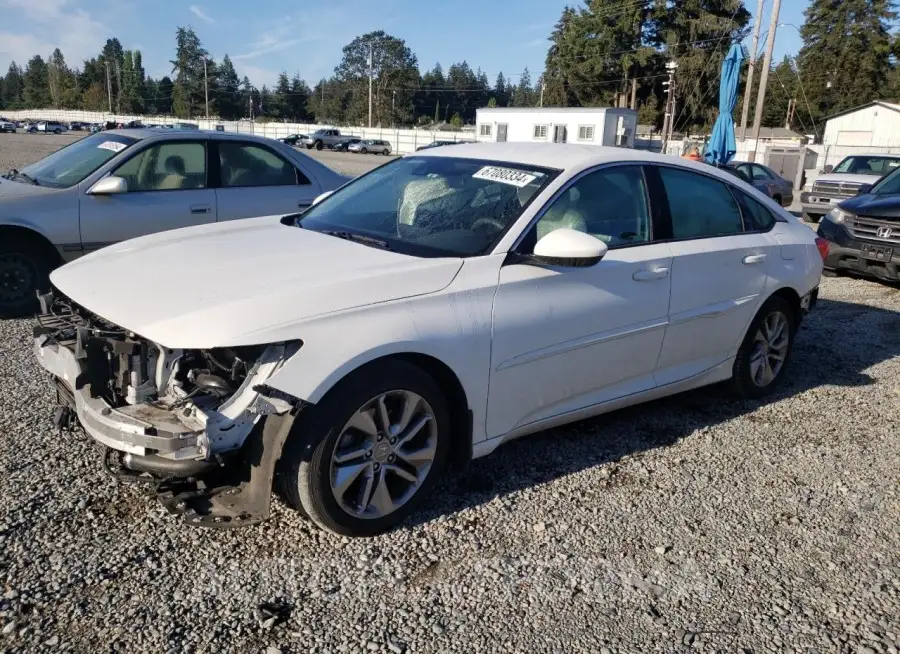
(721, 146)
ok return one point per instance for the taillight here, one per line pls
(823, 247)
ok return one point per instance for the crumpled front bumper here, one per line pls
(140, 429)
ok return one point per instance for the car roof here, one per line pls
(562, 156)
(163, 134)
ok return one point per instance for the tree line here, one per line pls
(604, 53)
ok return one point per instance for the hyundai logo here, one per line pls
(884, 232)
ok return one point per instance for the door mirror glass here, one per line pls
(569, 247)
(828, 169)
(863, 189)
(321, 197)
(111, 185)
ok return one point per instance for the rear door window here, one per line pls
(248, 164)
(700, 206)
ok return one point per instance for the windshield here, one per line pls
(888, 185)
(863, 165)
(71, 164)
(432, 206)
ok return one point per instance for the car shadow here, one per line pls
(866, 336)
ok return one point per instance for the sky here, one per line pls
(306, 36)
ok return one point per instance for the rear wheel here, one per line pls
(385, 152)
(363, 151)
(318, 145)
(811, 218)
(379, 442)
(766, 350)
(24, 270)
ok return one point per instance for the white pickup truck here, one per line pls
(844, 181)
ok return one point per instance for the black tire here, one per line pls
(304, 479)
(810, 218)
(363, 151)
(778, 199)
(57, 131)
(742, 379)
(385, 152)
(318, 145)
(24, 270)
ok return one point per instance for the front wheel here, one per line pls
(318, 145)
(364, 151)
(810, 218)
(380, 441)
(766, 350)
(385, 152)
(23, 272)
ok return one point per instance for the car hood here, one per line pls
(874, 206)
(847, 177)
(10, 190)
(232, 283)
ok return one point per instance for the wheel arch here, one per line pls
(793, 299)
(13, 233)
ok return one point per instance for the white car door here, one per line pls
(257, 181)
(718, 273)
(565, 338)
(167, 189)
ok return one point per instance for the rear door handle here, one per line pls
(650, 275)
(752, 259)
(201, 208)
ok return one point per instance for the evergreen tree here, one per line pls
(113, 56)
(501, 92)
(36, 91)
(13, 84)
(188, 96)
(228, 91)
(524, 93)
(281, 102)
(557, 89)
(299, 98)
(845, 58)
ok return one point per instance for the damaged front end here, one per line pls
(191, 420)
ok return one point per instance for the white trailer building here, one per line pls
(873, 125)
(594, 125)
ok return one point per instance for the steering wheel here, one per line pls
(488, 222)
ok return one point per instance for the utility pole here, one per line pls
(764, 77)
(633, 93)
(792, 105)
(118, 88)
(669, 119)
(370, 84)
(108, 87)
(205, 89)
(748, 89)
(393, 101)
(542, 93)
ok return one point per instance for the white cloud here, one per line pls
(268, 44)
(199, 13)
(52, 24)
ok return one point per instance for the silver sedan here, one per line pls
(369, 145)
(120, 184)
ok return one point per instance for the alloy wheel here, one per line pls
(383, 454)
(770, 348)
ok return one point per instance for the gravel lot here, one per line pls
(696, 523)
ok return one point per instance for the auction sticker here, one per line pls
(115, 146)
(505, 176)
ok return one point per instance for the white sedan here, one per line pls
(419, 316)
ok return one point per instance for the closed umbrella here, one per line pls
(722, 147)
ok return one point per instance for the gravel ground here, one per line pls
(696, 523)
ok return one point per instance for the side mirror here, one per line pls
(828, 169)
(321, 197)
(863, 189)
(570, 248)
(111, 185)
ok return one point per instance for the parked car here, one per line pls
(7, 125)
(116, 185)
(52, 127)
(843, 182)
(345, 144)
(95, 127)
(763, 177)
(77, 126)
(417, 317)
(438, 144)
(370, 145)
(864, 231)
(290, 139)
(321, 138)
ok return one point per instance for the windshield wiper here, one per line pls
(13, 173)
(357, 238)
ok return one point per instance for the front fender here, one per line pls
(452, 326)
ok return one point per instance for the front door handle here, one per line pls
(201, 208)
(753, 259)
(650, 275)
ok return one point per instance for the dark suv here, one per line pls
(864, 231)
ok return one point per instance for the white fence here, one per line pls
(402, 141)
